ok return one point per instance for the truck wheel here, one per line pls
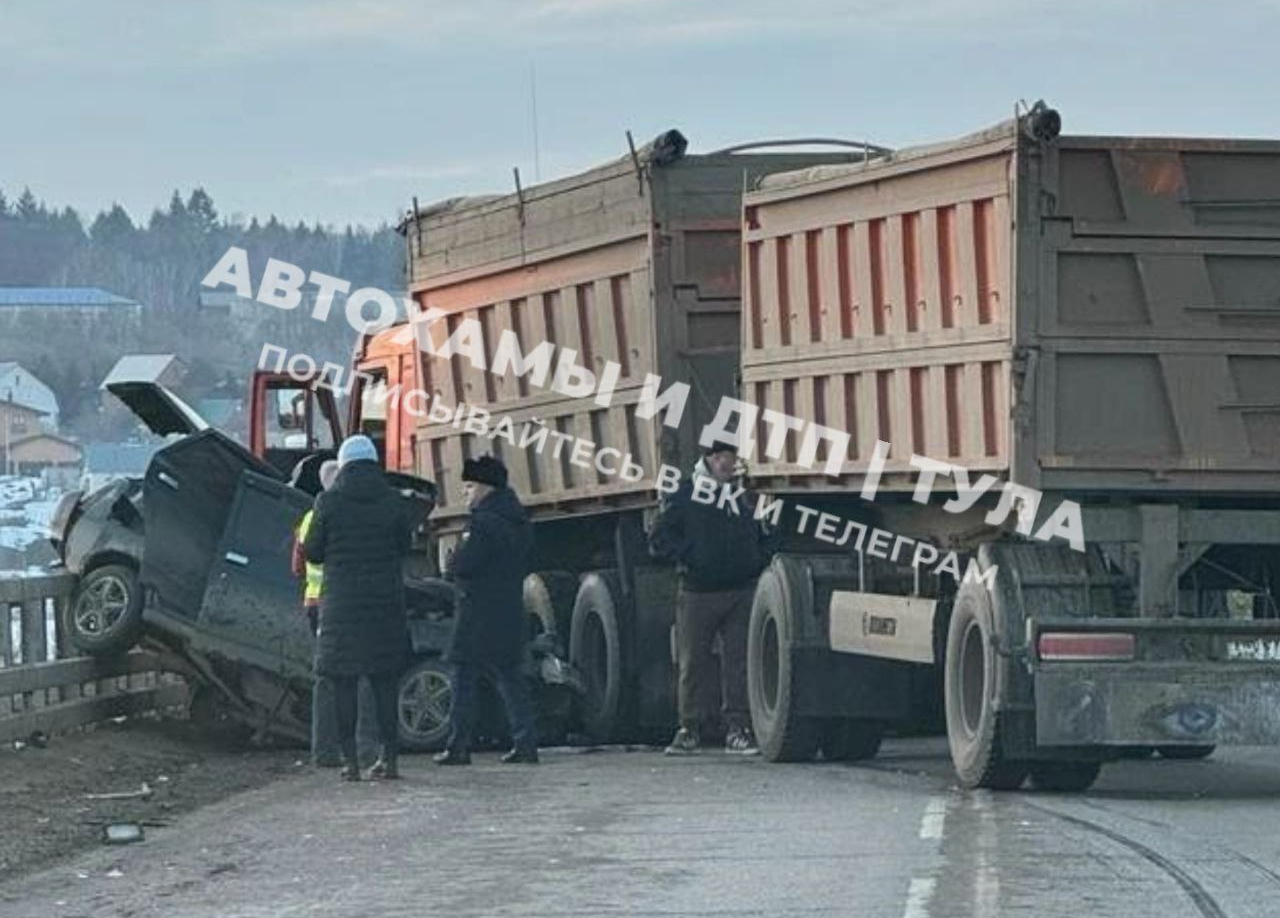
(1184, 753)
(105, 615)
(595, 648)
(782, 733)
(423, 705)
(548, 603)
(1064, 777)
(971, 682)
(851, 740)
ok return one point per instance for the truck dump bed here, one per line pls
(635, 262)
(1087, 314)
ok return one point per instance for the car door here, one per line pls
(188, 488)
(252, 607)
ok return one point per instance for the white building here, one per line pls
(20, 386)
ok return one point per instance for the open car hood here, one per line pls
(162, 411)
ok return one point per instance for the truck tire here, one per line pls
(1064, 777)
(851, 740)
(782, 733)
(424, 702)
(104, 617)
(595, 648)
(1185, 753)
(972, 681)
(548, 604)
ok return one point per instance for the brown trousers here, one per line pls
(699, 618)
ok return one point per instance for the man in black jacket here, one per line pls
(360, 533)
(719, 549)
(488, 569)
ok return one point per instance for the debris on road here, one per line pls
(142, 793)
(122, 833)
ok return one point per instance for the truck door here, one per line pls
(380, 415)
(291, 418)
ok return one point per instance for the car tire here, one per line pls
(1185, 753)
(104, 616)
(971, 684)
(424, 703)
(783, 734)
(1064, 777)
(595, 648)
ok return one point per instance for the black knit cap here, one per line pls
(720, 446)
(485, 470)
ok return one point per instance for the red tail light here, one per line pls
(1085, 646)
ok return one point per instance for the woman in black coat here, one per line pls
(489, 634)
(360, 533)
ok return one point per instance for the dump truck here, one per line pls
(1091, 319)
(1052, 321)
(634, 263)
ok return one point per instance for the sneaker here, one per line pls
(452, 757)
(384, 770)
(685, 742)
(741, 741)
(521, 757)
(349, 773)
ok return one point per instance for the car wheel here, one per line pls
(424, 703)
(104, 616)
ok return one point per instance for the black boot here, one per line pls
(453, 757)
(520, 756)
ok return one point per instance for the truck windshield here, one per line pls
(373, 412)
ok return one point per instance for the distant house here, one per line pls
(107, 462)
(20, 385)
(16, 422)
(85, 301)
(55, 459)
(35, 452)
(228, 304)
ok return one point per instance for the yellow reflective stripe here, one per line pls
(315, 572)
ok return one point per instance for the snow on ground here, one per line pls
(16, 490)
(26, 508)
(32, 571)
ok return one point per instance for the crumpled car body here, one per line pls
(208, 534)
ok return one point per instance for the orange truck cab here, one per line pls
(293, 416)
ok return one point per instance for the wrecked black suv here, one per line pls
(193, 561)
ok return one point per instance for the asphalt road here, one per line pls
(634, 833)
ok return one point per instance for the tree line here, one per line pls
(160, 262)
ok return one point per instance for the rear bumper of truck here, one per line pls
(1206, 682)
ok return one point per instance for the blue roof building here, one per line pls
(73, 297)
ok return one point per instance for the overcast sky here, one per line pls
(341, 111)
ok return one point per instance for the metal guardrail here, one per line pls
(40, 689)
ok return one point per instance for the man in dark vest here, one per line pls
(719, 549)
(488, 568)
(360, 533)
